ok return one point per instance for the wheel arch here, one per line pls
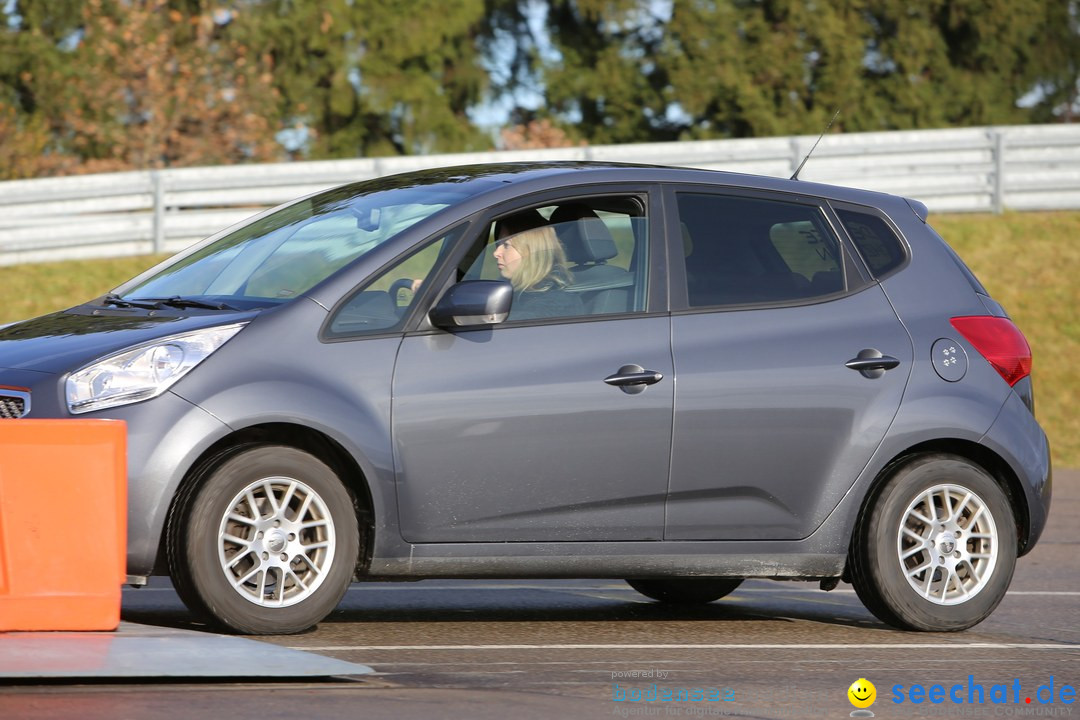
(984, 457)
(884, 585)
(302, 438)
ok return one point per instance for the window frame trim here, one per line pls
(649, 192)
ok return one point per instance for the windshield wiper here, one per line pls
(117, 301)
(181, 302)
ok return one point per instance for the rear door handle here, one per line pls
(882, 363)
(633, 378)
(871, 363)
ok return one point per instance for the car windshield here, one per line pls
(285, 253)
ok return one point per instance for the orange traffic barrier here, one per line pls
(63, 524)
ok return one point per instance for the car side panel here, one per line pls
(511, 434)
(771, 428)
(278, 371)
(974, 409)
(163, 443)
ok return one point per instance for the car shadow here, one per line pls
(400, 603)
(516, 609)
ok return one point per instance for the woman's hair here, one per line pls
(543, 260)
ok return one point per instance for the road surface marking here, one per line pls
(720, 646)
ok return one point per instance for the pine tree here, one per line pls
(113, 84)
(771, 67)
(607, 80)
(370, 78)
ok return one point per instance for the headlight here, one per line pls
(142, 372)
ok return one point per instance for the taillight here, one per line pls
(999, 341)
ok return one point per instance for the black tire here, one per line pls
(273, 578)
(940, 576)
(685, 591)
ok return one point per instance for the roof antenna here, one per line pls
(799, 169)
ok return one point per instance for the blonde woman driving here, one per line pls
(535, 264)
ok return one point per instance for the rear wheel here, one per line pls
(267, 544)
(936, 549)
(685, 591)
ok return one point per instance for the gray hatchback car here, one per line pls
(678, 377)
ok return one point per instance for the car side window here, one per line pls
(875, 240)
(383, 303)
(572, 258)
(747, 251)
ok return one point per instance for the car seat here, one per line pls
(589, 245)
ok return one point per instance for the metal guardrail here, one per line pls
(987, 169)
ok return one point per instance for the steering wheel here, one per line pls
(397, 286)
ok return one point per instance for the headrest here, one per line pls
(519, 222)
(584, 236)
(687, 241)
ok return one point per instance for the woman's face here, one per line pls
(507, 257)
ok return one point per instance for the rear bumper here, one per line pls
(1021, 442)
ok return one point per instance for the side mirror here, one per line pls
(473, 302)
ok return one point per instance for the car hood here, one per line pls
(65, 341)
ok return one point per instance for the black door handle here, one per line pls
(871, 363)
(633, 378)
(882, 363)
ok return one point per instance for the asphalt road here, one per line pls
(545, 649)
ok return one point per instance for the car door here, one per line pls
(783, 392)
(521, 431)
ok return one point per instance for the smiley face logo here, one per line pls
(862, 693)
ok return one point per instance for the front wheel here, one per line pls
(267, 544)
(936, 549)
(685, 591)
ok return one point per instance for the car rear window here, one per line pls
(875, 240)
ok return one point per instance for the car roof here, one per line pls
(494, 182)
